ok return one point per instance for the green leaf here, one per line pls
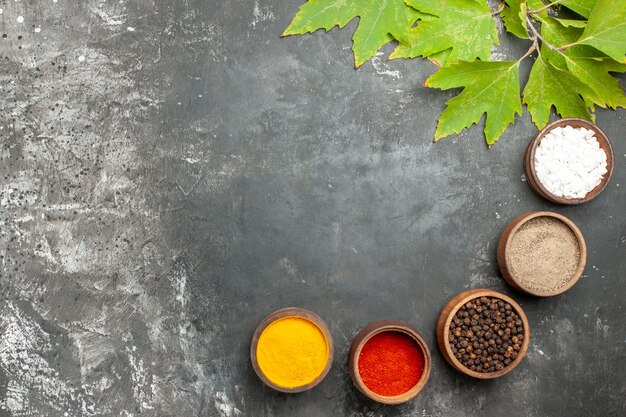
(380, 21)
(606, 29)
(514, 21)
(549, 86)
(557, 35)
(488, 87)
(585, 63)
(582, 7)
(523, 15)
(572, 73)
(466, 27)
(595, 73)
(440, 58)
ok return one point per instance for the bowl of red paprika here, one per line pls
(389, 362)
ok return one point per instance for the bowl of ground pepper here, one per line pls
(292, 350)
(542, 253)
(389, 362)
(483, 333)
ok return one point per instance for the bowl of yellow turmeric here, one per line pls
(292, 350)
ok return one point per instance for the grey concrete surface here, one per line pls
(173, 171)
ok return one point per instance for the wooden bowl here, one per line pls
(447, 314)
(355, 351)
(529, 161)
(291, 312)
(504, 260)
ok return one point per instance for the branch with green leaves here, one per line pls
(578, 45)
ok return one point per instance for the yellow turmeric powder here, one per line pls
(292, 352)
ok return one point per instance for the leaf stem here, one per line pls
(532, 49)
(564, 47)
(536, 35)
(547, 6)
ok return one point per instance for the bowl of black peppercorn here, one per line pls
(483, 333)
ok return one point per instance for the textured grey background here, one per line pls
(193, 172)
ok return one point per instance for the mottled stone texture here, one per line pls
(173, 171)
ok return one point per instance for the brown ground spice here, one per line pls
(544, 254)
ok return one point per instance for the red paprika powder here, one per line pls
(391, 363)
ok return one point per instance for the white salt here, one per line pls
(569, 162)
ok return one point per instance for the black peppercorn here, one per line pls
(486, 334)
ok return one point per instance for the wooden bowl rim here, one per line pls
(364, 336)
(280, 314)
(515, 226)
(444, 324)
(529, 163)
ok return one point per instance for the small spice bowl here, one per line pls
(449, 313)
(566, 245)
(279, 332)
(529, 161)
(374, 331)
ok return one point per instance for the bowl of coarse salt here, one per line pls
(569, 162)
